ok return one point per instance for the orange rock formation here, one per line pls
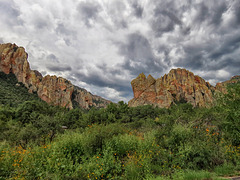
(179, 85)
(52, 89)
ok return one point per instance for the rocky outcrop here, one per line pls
(56, 91)
(52, 89)
(14, 60)
(179, 85)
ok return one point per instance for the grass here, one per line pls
(225, 170)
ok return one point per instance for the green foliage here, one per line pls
(72, 118)
(29, 111)
(96, 136)
(12, 92)
(31, 122)
(120, 142)
(231, 105)
(103, 165)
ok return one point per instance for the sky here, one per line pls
(101, 45)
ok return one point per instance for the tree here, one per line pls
(30, 110)
(71, 118)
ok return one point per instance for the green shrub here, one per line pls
(123, 144)
(105, 165)
(70, 144)
(180, 134)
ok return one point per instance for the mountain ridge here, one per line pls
(52, 89)
(179, 85)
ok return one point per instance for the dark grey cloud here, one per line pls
(88, 11)
(61, 29)
(210, 12)
(137, 48)
(54, 64)
(166, 16)
(227, 47)
(164, 22)
(193, 57)
(52, 58)
(1, 40)
(236, 7)
(99, 80)
(202, 13)
(68, 34)
(139, 56)
(217, 13)
(212, 56)
(138, 9)
(58, 67)
(112, 71)
(232, 69)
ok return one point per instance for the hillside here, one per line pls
(12, 92)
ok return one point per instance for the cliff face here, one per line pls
(179, 85)
(14, 60)
(83, 98)
(52, 89)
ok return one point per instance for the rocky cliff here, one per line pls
(52, 89)
(179, 85)
(83, 98)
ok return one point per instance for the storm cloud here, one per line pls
(139, 55)
(102, 45)
(88, 12)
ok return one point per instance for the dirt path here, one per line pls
(233, 178)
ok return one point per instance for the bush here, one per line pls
(103, 165)
(97, 135)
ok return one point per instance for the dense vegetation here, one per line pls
(12, 92)
(119, 142)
